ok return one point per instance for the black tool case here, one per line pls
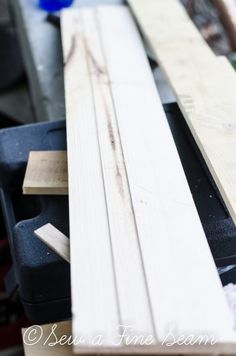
(42, 277)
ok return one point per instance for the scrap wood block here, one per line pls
(204, 86)
(46, 173)
(140, 262)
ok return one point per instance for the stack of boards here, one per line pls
(143, 277)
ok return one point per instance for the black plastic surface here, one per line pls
(42, 276)
(217, 223)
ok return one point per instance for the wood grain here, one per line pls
(131, 185)
(94, 298)
(204, 86)
(46, 173)
(133, 301)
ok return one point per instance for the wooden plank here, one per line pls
(160, 193)
(54, 239)
(131, 288)
(133, 301)
(94, 299)
(46, 173)
(204, 87)
(183, 35)
(107, 69)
